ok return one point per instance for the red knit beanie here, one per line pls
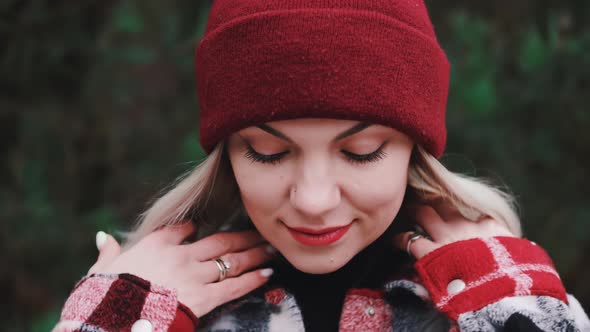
(373, 61)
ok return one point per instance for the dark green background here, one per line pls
(98, 112)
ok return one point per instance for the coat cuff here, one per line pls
(120, 302)
(467, 275)
(184, 320)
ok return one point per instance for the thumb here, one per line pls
(108, 249)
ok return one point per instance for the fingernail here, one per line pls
(101, 238)
(266, 272)
(270, 249)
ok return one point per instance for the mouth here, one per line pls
(318, 237)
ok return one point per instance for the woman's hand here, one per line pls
(444, 224)
(161, 258)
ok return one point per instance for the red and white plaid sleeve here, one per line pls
(122, 302)
(484, 283)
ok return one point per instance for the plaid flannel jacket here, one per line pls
(483, 284)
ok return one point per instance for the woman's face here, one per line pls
(320, 190)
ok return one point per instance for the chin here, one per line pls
(317, 265)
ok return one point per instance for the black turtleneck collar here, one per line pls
(321, 296)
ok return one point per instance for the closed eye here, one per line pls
(351, 157)
(264, 158)
(366, 158)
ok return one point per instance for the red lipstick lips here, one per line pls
(320, 237)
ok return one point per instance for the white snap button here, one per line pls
(142, 325)
(455, 286)
(533, 243)
(370, 311)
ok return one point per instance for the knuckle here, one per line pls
(222, 242)
(235, 264)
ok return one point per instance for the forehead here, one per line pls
(307, 123)
(321, 127)
(314, 122)
(315, 131)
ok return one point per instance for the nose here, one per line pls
(315, 192)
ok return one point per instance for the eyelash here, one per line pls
(353, 158)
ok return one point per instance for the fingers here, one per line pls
(108, 249)
(174, 234)
(417, 248)
(494, 227)
(220, 244)
(233, 288)
(239, 262)
(429, 219)
(447, 211)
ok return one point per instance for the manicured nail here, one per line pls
(270, 249)
(101, 238)
(266, 272)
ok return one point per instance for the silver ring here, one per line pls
(223, 267)
(411, 240)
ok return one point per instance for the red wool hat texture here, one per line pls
(371, 61)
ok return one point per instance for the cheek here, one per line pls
(378, 196)
(379, 190)
(262, 189)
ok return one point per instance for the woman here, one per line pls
(323, 121)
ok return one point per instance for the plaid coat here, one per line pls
(483, 284)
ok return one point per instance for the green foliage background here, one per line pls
(98, 112)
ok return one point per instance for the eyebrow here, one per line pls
(349, 132)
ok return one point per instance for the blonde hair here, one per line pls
(209, 195)
(474, 198)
